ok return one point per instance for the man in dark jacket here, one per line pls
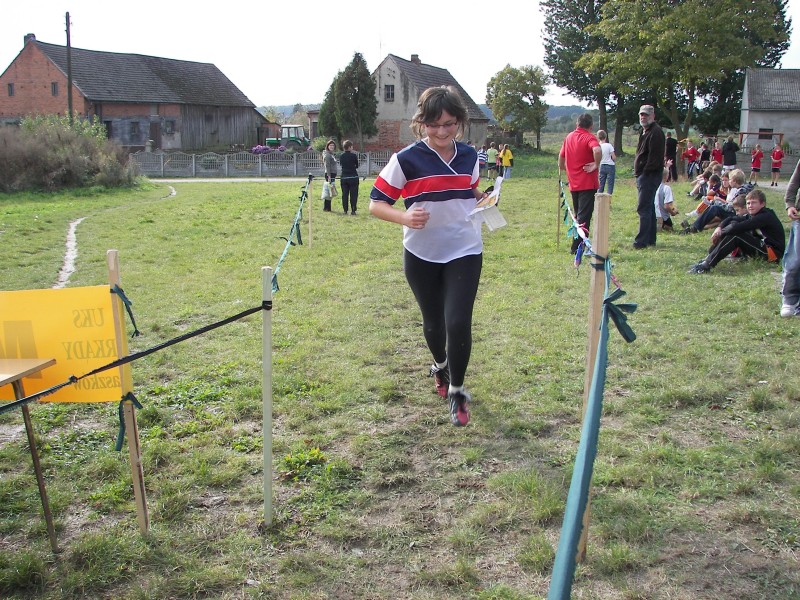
(648, 167)
(729, 150)
(757, 234)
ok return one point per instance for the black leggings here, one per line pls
(445, 293)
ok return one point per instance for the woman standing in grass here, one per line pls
(349, 178)
(443, 252)
(329, 163)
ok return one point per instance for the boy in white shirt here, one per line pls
(665, 204)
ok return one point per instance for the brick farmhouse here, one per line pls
(173, 104)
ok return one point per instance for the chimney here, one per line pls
(28, 38)
(415, 59)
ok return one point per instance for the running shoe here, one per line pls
(459, 413)
(441, 377)
(700, 268)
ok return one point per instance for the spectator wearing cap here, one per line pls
(648, 168)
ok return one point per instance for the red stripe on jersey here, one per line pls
(383, 186)
(438, 183)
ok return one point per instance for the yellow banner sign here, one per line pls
(76, 327)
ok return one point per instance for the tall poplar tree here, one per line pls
(328, 125)
(356, 104)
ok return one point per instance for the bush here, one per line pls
(318, 143)
(49, 153)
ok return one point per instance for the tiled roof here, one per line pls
(773, 89)
(425, 76)
(114, 77)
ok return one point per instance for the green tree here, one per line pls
(299, 116)
(516, 95)
(723, 98)
(356, 105)
(566, 40)
(272, 114)
(668, 49)
(328, 125)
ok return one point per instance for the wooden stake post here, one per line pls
(597, 290)
(129, 410)
(309, 199)
(266, 391)
(558, 212)
(19, 392)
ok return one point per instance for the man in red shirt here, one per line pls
(580, 157)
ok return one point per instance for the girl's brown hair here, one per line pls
(435, 100)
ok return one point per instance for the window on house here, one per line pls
(134, 130)
(10, 89)
(54, 88)
(388, 93)
(169, 126)
(764, 134)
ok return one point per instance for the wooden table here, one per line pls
(12, 370)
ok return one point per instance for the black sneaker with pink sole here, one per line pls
(441, 378)
(459, 413)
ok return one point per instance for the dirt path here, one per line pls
(68, 268)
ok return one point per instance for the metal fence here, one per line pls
(246, 164)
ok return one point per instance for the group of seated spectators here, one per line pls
(730, 205)
(754, 231)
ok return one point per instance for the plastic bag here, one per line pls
(326, 191)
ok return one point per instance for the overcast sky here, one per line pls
(277, 59)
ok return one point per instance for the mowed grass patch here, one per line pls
(376, 494)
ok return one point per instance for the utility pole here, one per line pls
(69, 73)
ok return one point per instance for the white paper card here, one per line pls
(493, 218)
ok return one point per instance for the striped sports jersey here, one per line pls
(445, 190)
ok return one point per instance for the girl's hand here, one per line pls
(416, 218)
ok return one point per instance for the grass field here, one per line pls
(696, 492)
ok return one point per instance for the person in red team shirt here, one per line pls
(691, 156)
(777, 161)
(755, 163)
(716, 153)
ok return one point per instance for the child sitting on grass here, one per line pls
(714, 192)
(700, 184)
(665, 204)
(758, 234)
(719, 209)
